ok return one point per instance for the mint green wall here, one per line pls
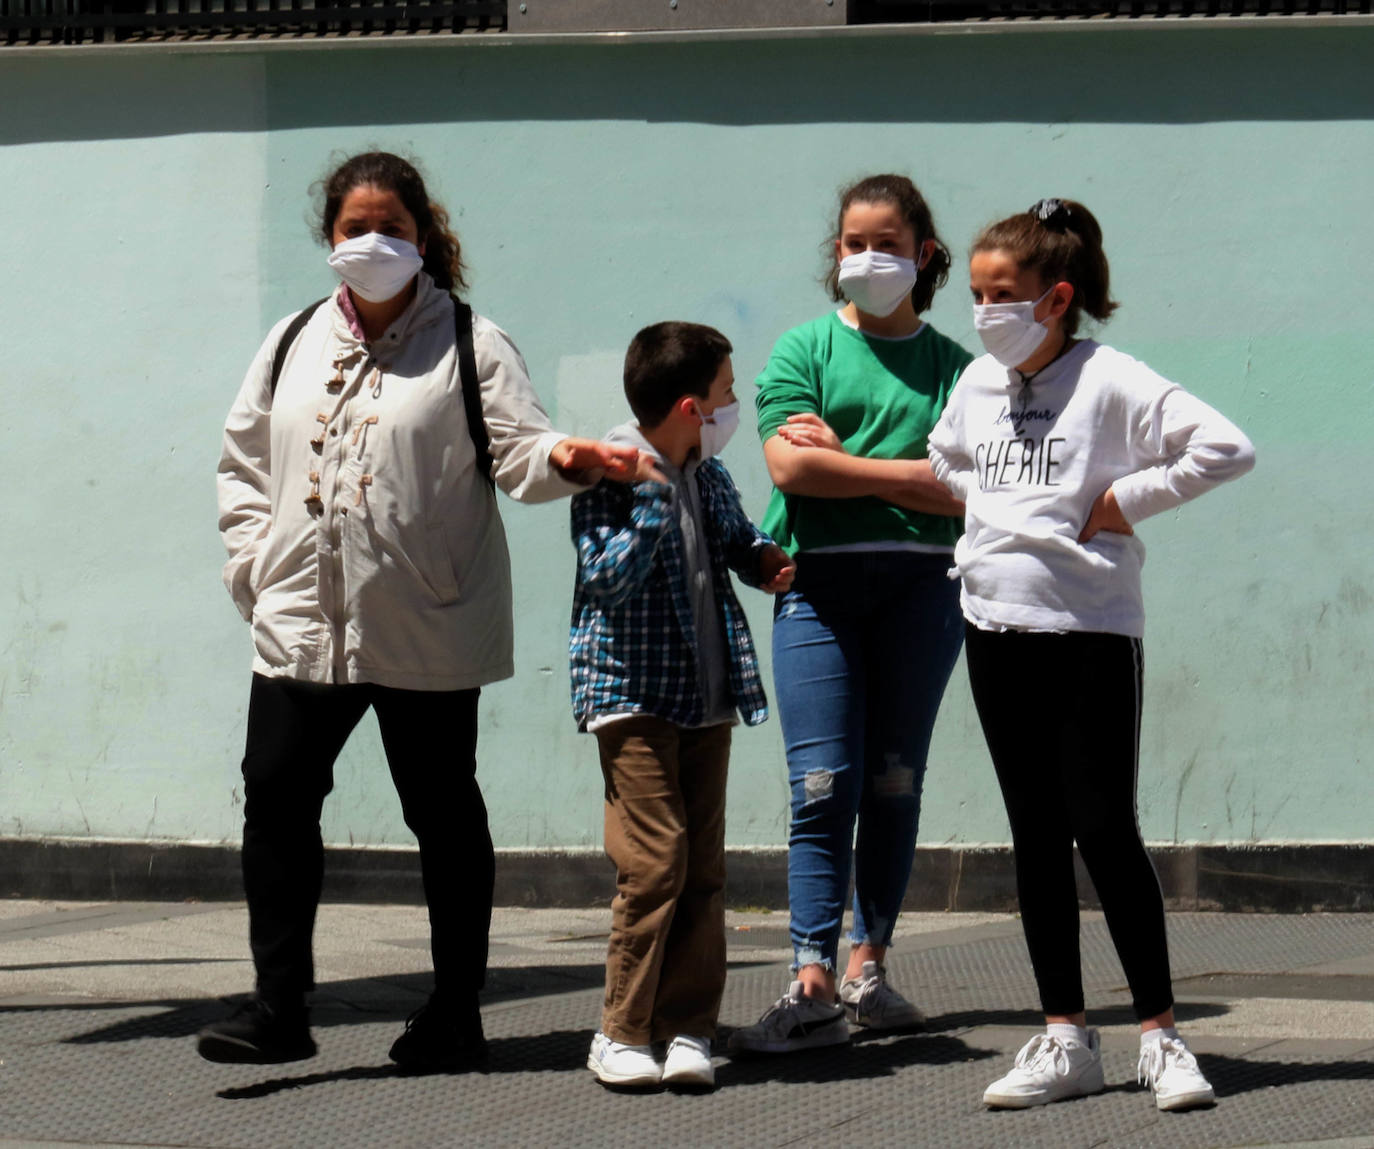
(157, 224)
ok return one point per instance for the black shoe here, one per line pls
(258, 1034)
(439, 1039)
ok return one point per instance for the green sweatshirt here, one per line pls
(882, 397)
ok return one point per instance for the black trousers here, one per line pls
(1061, 714)
(295, 733)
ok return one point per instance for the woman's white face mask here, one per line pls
(376, 267)
(1009, 331)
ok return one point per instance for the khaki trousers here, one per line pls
(665, 832)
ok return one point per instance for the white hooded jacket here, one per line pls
(364, 545)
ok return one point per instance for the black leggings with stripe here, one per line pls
(1061, 714)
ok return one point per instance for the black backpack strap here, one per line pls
(472, 393)
(467, 374)
(288, 337)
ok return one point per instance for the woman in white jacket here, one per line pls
(366, 550)
(1058, 445)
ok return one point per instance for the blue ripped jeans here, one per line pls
(863, 645)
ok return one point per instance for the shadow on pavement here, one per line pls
(561, 1051)
(281, 1084)
(565, 1051)
(877, 1056)
(336, 1003)
(1034, 1020)
(1232, 1076)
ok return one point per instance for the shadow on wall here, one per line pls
(1122, 73)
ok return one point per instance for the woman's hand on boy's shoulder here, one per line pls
(589, 460)
(776, 569)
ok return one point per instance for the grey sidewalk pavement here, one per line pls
(99, 1005)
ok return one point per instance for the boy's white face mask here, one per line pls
(376, 267)
(717, 427)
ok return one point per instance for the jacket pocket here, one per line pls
(443, 578)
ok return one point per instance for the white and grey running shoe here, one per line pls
(870, 1001)
(793, 1022)
(624, 1066)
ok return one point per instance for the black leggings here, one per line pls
(295, 732)
(1061, 714)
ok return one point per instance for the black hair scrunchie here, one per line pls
(1053, 213)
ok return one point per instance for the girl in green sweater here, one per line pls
(864, 642)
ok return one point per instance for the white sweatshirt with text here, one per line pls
(1030, 459)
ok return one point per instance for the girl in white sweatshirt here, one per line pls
(1058, 445)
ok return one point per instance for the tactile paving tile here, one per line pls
(129, 1074)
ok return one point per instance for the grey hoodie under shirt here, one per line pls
(711, 650)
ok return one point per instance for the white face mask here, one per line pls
(876, 282)
(1009, 331)
(717, 427)
(376, 267)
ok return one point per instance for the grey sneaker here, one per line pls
(1048, 1068)
(793, 1022)
(1170, 1070)
(869, 1001)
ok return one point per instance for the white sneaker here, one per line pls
(1048, 1068)
(689, 1063)
(869, 1001)
(1169, 1068)
(793, 1022)
(615, 1063)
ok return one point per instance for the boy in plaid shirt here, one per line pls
(662, 662)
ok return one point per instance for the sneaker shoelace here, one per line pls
(1156, 1057)
(871, 994)
(774, 1017)
(777, 1019)
(1042, 1048)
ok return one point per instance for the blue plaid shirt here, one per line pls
(632, 645)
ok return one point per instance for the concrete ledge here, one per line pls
(672, 15)
(1276, 879)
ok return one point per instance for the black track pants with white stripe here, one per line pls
(1061, 714)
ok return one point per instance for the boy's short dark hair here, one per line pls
(667, 361)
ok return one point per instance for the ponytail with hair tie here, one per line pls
(1054, 214)
(1058, 239)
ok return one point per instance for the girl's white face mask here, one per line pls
(376, 267)
(717, 427)
(876, 282)
(1009, 331)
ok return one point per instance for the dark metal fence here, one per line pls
(150, 21)
(933, 11)
(42, 22)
